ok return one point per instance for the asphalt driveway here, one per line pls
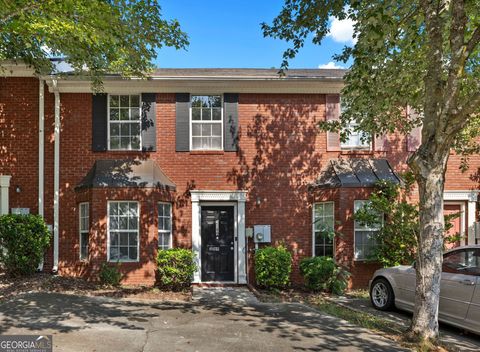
(216, 320)
(457, 338)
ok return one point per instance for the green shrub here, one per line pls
(110, 274)
(175, 268)
(322, 274)
(273, 266)
(23, 242)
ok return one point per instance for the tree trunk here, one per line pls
(430, 176)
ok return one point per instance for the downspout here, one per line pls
(41, 143)
(41, 156)
(56, 175)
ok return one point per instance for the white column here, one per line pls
(242, 250)
(196, 239)
(471, 207)
(4, 185)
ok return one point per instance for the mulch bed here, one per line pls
(297, 295)
(42, 282)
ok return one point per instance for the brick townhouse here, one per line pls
(217, 160)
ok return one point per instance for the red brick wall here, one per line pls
(281, 152)
(19, 139)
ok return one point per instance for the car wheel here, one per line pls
(381, 294)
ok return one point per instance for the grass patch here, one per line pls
(358, 294)
(365, 320)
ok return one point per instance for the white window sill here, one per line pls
(124, 150)
(123, 261)
(207, 151)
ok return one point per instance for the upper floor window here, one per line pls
(365, 234)
(323, 227)
(206, 116)
(124, 123)
(355, 138)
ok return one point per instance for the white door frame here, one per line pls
(4, 185)
(470, 197)
(464, 239)
(236, 199)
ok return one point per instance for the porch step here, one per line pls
(232, 295)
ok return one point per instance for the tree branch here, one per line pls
(473, 42)
(16, 13)
(433, 79)
(458, 56)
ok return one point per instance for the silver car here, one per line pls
(459, 290)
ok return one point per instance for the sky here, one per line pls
(228, 34)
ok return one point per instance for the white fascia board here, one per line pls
(16, 70)
(132, 86)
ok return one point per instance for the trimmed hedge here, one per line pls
(110, 275)
(323, 274)
(273, 266)
(175, 268)
(24, 240)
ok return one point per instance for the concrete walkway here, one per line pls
(216, 320)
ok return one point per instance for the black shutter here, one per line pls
(230, 125)
(100, 122)
(182, 122)
(149, 122)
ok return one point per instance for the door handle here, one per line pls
(467, 282)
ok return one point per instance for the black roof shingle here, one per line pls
(126, 173)
(356, 173)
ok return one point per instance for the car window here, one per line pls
(465, 261)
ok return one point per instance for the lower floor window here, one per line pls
(365, 235)
(164, 225)
(84, 221)
(323, 227)
(84, 245)
(123, 220)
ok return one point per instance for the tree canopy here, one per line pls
(96, 36)
(424, 54)
(392, 57)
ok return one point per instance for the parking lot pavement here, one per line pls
(463, 341)
(215, 320)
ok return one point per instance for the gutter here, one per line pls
(56, 175)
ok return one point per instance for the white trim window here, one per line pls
(355, 139)
(323, 227)
(84, 229)
(164, 225)
(365, 235)
(123, 231)
(124, 122)
(206, 119)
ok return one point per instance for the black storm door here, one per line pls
(218, 244)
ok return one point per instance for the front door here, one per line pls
(217, 231)
(456, 222)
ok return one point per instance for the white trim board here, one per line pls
(226, 198)
(206, 86)
(4, 185)
(469, 196)
(462, 204)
